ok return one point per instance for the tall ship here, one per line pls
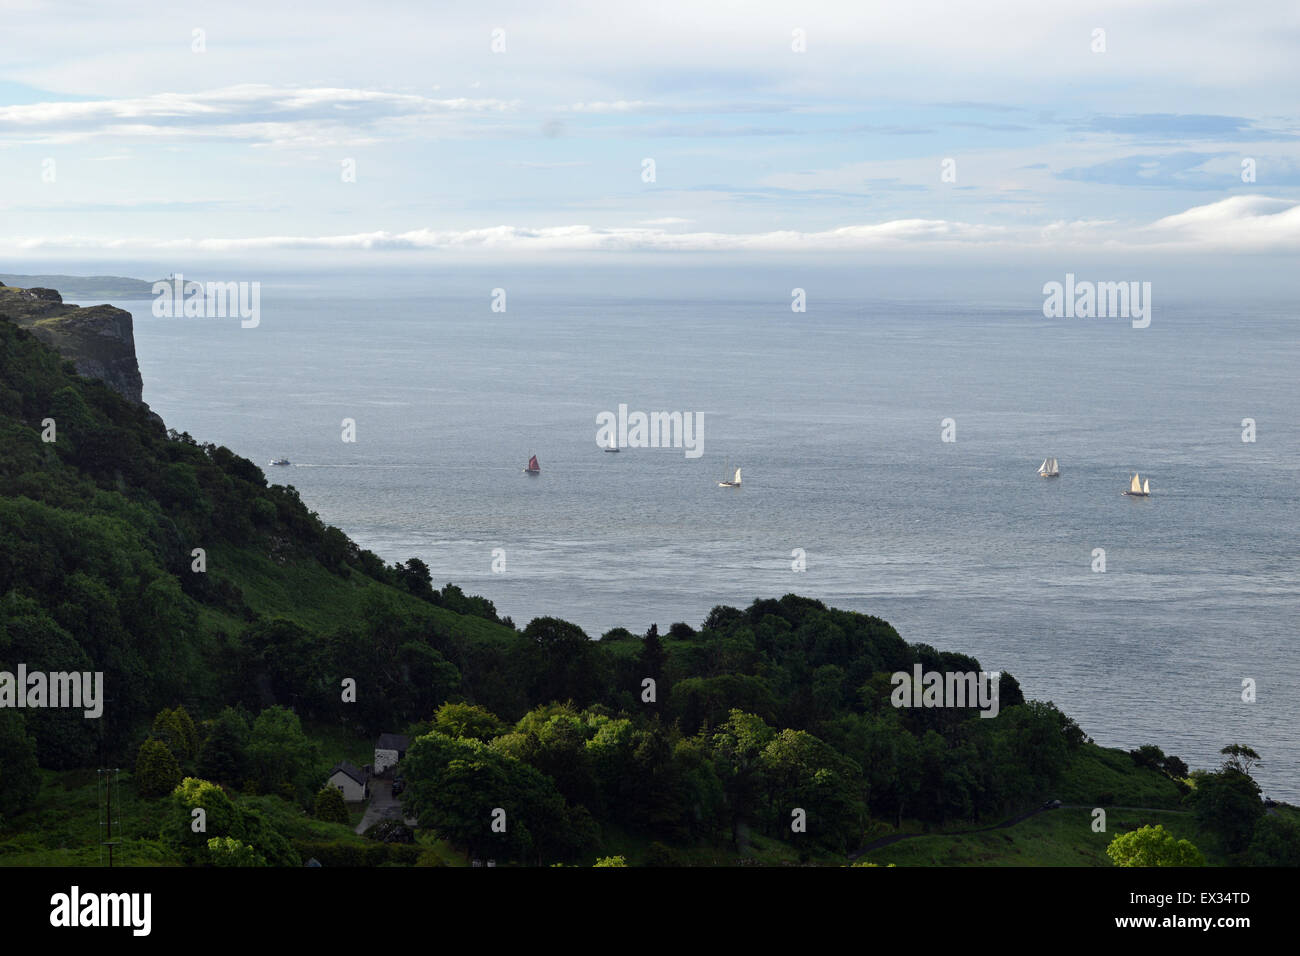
(1139, 489)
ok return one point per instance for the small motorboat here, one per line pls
(533, 467)
(281, 462)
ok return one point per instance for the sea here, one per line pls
(889, 450)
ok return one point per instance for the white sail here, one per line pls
(737, 478)
(1146, 487)
(1042, 469)
(1135, 486)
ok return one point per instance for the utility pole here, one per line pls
(106, 824)
(110, 782)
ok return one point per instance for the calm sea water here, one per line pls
(835, 417)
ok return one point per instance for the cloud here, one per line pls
(1184, 170)
(249, 112)
(531, 164)
(1180, 127)
(618, 107)
(1181, 170)
(643, 107)
(1242, 223)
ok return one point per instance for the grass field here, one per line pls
(65, 826)
(308, 594)
(1052, 838)
(1098, 776)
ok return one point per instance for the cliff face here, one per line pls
(99, 340)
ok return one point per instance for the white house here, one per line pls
(351, 779)
(389, 749)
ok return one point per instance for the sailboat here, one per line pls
(1049, 469)
(533, 467)
(1139, 489)
(733, 483)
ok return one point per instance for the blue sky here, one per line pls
(119, 140)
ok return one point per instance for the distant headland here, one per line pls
(84, 287)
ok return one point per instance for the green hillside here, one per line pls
(247, 646)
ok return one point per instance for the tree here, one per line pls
(285, 662)
(804, 772)
(184, 828)
(222, 756)
(654, 659)
(611, 861)
(554, 740)
(490, 803)
(467, 720)
(1041, 737)
(156, 771)
(330, 806)
(566, 665)
(1152, 846)
(280, 753)
(1276, 843)
(1228, 804)
(415, 577)
(707, 701)
(737, 751)
(427, 677)
(265, 839)
(1175, 767)
(19, 781)
(227, 851)
(176, 729)
(1149, 756)
(1240, 758)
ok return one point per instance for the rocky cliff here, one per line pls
(99, 340)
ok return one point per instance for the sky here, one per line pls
(914, 131)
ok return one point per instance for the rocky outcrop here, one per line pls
(99, 340)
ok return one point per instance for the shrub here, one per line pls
(660, 854)
(330, 806)
(1152, 846)
(156, 771)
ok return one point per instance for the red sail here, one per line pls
(532, 464)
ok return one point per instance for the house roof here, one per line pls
(399, 742)
(350, 770)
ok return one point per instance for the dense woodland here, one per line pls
(221, 680)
